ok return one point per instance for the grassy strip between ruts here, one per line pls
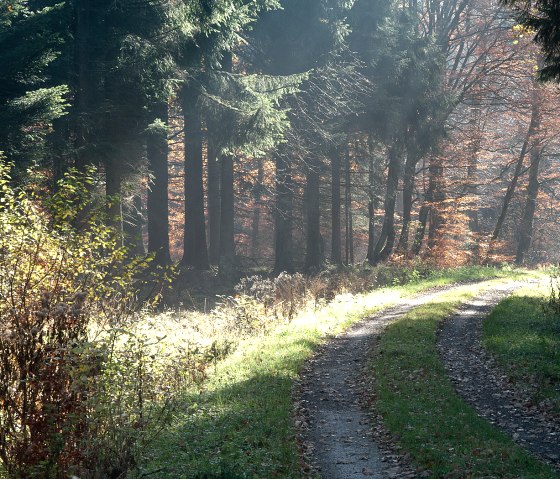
(442, 433)
(524, 335)
(241, 425)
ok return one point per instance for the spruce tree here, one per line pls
(31, 38)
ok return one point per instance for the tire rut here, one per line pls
(338, 432)
(482, 384)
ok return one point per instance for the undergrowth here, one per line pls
(79, 391)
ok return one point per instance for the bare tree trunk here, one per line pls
(256, 223)
(436, 219)
(213, 205)
(348, 210)
(84, 91)
(336, 227)
(195, 252)
(372, 204)
(526, 226)
(227, 222)
(158, 192)
(314, 256)
(421, 230)
(408, 193)
(433, 193)
(283, 240)
(533, 126)
(386, 240)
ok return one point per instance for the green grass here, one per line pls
(241, 424)
(524, 335)
(420, 408)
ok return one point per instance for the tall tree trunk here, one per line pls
(386, 240)
(227, 222)
(158, 193)
(436, 218)
(85, 80)
(533, 126)
(348, 209)
(371, 230)
(214, 208)
(255, 227)
(433, 193)
(472, 187)
(195, 249)
(408, 193)
(314, 250)
(336, 227)
(82, 37)
(472, 190)
(526, 226)
(372, 203)
(283, 224)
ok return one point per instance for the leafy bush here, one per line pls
(77, 395)
(260, 302)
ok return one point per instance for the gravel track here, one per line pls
(338, 433)
(480, 381)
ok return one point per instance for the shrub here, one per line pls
(73, 398)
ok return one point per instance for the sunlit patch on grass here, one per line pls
(524, 335)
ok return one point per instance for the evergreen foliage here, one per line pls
(30, 40)
(543, 16)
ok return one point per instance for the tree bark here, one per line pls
(436, 219)
(533, 126)
(227, 223)
(158, 192)
(526, 226)
(372, 204)
(214, 208)
(113, 181)
(408, 194)
(433, 193)
(472, 188)
(195, 249)
(256, 222)
(386, 240)
(336, 228)
(82, 34)
(283, 239)
(314, 255)
(348, 209)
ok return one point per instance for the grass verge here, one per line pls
(240, 425)
(430, 421)
(524, 335)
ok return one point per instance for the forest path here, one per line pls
(339, 435)
(481, 383)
